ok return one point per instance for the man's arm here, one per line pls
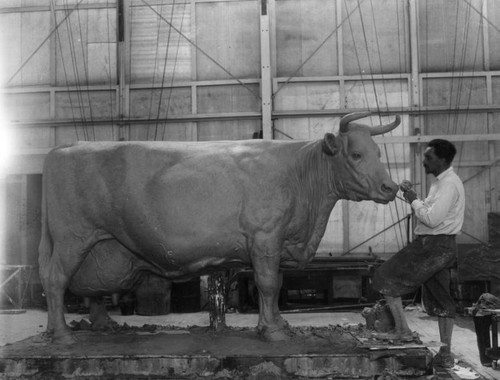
(433, 214)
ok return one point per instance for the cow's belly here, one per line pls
(182, 245)
(112, 268)
(108, 268)
(179, 256)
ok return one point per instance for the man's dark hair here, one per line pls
(443, 149)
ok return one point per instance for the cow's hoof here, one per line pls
(283, 323)
(65, 338)
(274, 335)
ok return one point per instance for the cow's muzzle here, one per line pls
(389, 190)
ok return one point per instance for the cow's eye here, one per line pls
(356, 156)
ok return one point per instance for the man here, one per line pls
(428, 259)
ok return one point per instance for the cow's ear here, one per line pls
(329, 144)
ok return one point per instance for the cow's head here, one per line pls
(359, 174)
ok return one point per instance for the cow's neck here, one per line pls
(313, 175)
(313, 184)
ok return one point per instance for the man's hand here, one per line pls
(410, 196)
(405, 185)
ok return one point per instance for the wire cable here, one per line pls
(377, 100)
(59, 43)
(43, 42)
(480, 13)
(76, 75)
(453, 67)
(466, 118)
(335, 30)
(374, 236)
(158, 33)
(173, 71)
(169, 35)
(86, 72)
(204, 52)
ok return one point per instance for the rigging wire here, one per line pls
(474, 238)
(453, 68)
(398, 179)
(377, 101)
(86, 72)
(43, 42)
(480, 13)
(59, 43)
(174, 69)
(169, 35)
(158, 33)
(471, 89)
(374, 236)
(334, 31)
(461, 79)
(357, 59)
(203, 52)
(402, 64)
(488, 167)
(456, 93)
(76, 76)
(359, 66)
(370, 65)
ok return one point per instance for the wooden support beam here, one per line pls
(417, 110)
(415, 85)
(123, 41)
(416, 152)
(266, 83)
(427, 138)
(170, 119)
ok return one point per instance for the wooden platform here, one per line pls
(17, 327)
(326, 352)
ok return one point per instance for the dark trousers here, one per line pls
(482, 325)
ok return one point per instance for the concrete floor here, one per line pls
(16, 327)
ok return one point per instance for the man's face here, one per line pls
(432, 163)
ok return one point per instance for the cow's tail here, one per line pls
(45, 246)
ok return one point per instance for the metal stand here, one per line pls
(494, 352)
(217, 300)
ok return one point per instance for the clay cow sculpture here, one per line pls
(180, 209)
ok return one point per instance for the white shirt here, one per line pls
(442, 212)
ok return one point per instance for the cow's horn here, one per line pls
(344, 122)
(385, 128)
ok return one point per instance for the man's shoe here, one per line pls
(443, 360)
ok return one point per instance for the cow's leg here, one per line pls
(55, 274)
(282, 322)
(266, 273)
(55, 282)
